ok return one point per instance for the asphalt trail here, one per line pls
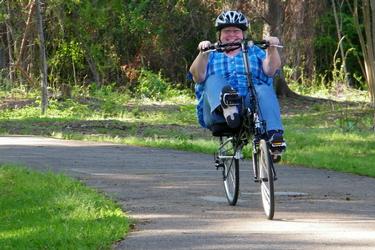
(177, 198)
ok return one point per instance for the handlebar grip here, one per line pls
(209, 48)
(262, 44)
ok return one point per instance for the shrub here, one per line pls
(151, 85)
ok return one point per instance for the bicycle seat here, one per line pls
(222, 129)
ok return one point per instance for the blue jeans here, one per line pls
(268, 103)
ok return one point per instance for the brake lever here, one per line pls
(277, 46)
(207, 51)
(264, 44)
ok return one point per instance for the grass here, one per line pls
(48, 211)
(321, 133)
(345, 152)
(336, 136)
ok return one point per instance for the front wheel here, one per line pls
(266, 179)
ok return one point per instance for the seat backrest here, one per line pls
(222, 129)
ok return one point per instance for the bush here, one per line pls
(151, 85)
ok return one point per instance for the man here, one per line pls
(216, 74)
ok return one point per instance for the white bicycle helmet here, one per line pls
(231, 18)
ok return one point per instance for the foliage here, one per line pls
(75, 42)
(151, 85)
(90, 41)
(325, 44)
(168, 33)
(156, 87)
(305, 85)
(137, 43)
(68, 57)
(318, 84)
(47, 211)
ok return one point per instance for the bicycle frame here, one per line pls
(232, 142)
(251, 126)
(258, 125)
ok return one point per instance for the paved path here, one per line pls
(178, 200)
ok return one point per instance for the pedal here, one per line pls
(281, 144)
(218, 165)
(257, 180)
(231, 99)
(276, 149)
(276, 158)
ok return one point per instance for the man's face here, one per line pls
(231, 34)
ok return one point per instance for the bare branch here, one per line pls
(27, 31)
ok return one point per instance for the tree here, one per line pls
(26, 33)
(340, 39)
(367, 39)
(17, 38)
(268, 18)
(275, 18)
(43, 59)
(8, 42)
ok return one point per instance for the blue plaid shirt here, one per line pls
(232, 69)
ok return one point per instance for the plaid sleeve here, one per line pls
(189, 76)
(260, 53)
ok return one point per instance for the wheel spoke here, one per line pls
(266, 193)
(230, 174)
(266, 180)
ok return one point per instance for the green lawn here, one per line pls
(48, 211)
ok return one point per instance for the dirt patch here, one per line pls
(15, 103)
(153, 107)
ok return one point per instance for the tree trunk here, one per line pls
(9, 41)
(93, 69)
(27, 31)
(367, 42)
(275, 19)
(339, 37)
(299, 33)
(371, 41)
(43, 59)
(239, 4)
(372, 6)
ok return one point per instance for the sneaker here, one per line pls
(277, 143)
(229, 101)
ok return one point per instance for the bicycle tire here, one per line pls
(231, 179)
(266, 179)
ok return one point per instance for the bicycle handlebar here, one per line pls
(219, 47)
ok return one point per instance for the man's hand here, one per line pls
(272, 40)
(204, 45)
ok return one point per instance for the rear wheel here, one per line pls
(231, 175)
(266, 179)
(231, 179)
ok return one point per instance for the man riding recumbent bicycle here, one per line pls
(237, 102)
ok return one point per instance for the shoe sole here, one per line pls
(233, 123)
